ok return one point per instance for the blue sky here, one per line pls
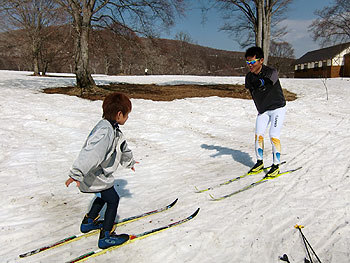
(299, 16)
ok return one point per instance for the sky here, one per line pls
(298, 18)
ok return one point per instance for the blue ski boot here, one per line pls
(108, 239)
(89, 224)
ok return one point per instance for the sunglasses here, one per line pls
(252, 62)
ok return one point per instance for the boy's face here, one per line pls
(255, 64)
(121, 118)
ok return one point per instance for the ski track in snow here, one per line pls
(180, 144)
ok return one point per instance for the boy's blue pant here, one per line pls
(111, 197)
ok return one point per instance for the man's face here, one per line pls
(255, 64)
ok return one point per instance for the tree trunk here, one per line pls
(44, 67)
(259, 26)
(35, 50)
(267, 30)
(36, 66)
(266, 43)
(83, 76)
(84, 79)
(263, 26)
(107, 64)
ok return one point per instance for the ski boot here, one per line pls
(257, 168)
(108, 239)
(89, 224)
(274, 171)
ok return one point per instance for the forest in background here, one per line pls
(127, 54)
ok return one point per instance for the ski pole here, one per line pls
(310, 247)
(302, 236)
(306, 243)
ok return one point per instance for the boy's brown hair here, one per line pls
(114, 103)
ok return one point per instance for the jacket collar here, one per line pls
(114, 124)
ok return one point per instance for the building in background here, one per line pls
(330, 62)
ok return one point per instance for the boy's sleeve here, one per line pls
(92, 154)
(126, 159)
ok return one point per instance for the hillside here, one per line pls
(113, 54)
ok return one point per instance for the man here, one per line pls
(266, 91)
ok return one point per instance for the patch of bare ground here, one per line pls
(163, 93)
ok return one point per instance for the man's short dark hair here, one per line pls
(254, 51)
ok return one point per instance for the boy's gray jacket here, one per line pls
(100, 156)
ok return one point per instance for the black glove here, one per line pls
(258, 83)
(262, 84)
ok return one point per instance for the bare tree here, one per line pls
(182, 53)
(332, 25)
(140, 16)
(280, 51)
(255, 21)
(54, 49)
(110, 49)
(32, 17)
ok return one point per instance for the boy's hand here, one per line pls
(133, 168)
(71, 180)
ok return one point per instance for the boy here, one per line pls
(266, 91)
(92, 171)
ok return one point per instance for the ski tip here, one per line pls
(173, 203)
(22, 255)
(201, 190)
(195, 213)
(213, 198)
(197, 190)
(299, 226)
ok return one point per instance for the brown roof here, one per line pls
(322, 54)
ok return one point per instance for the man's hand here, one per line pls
(262, 84)
(258, 83)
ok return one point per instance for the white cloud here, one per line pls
(299, 36)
